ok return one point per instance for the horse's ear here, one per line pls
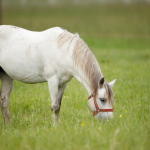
(112, 82)
(101, 82)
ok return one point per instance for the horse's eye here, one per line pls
(102, 99)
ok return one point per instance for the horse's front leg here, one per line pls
(61, 90)
(56, 93)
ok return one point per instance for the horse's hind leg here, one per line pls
(6, 88)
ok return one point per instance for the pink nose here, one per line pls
(110, 115)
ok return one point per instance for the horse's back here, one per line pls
(6, 31)
(24, 53)
(12, 37)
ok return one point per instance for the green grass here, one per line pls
(119, 37)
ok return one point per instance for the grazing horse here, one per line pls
(54, 56)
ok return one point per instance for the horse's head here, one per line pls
(101, 103)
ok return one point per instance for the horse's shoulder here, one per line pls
(52, 33)
(54, 30)
(58, 28)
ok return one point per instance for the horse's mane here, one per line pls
(109, 92)
(83, 58)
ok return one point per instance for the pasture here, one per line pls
(119, 37)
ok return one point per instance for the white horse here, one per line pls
(55, 56)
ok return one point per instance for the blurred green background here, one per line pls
(129, 18)
(41, 3)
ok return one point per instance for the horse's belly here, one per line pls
(22, 64)
(23, 71)
(25, 76)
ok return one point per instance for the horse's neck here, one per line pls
(84, 83)
(80, 77)
(90, 85)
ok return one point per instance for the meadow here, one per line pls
(119, 37)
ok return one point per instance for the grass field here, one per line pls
(119, 37)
